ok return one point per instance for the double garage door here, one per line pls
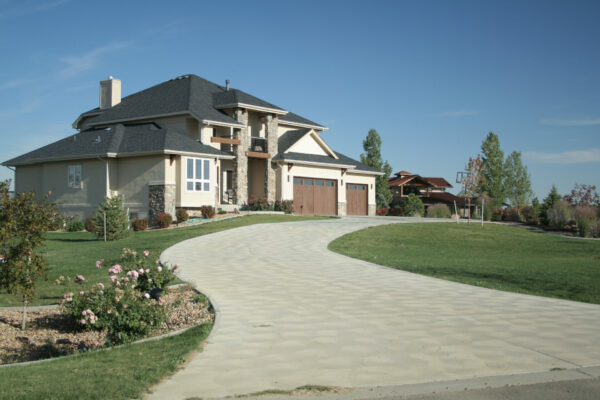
(319, 196)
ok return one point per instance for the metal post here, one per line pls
(104, 226)
(469, 209)
(456, 212)
(482, 208)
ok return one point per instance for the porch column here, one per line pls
(272, 125)
(240, 162)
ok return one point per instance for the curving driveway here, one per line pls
(292, 313)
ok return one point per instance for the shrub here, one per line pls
(117, 223)
(89, 225)
(559, 215)
(585, 218)
(383, 211)
(438, 211)
(530, 215)
(75, 226)
(221, 212)
(595, 229)
(499, 214)
(287, 206)
(412, 206)
(139, 224)
(488, 206)
(396, 211)
(182, 215)
(260, 204)
(164, 219)
(125, 308)
(512, 215)
(208, 211)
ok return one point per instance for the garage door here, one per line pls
(314, 196)
(356, 199)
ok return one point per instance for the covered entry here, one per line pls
(356, 199)
(315, 196)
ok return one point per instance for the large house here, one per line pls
(188, 142)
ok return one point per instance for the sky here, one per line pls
(432, 77)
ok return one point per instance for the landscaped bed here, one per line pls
(50, 333)
(510, 258)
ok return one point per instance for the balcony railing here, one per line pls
(258, 145)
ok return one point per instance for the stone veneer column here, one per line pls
(341, 209)
(372, 210)
(240, 162)
(161, 198)
(272, 125)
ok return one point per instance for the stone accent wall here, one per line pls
(372, 210)
(161, 198)
(341, 209)
(272, 125)
(240, 162)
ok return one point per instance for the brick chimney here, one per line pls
(110, 92)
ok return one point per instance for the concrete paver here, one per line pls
(292, 313)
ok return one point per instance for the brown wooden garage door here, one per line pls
(314, 196)
(356, 199)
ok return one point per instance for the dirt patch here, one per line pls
(50, 334)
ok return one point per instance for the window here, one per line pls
(297, 181)
(198, 175)
(308, 182)
(328, 183)
(74, 176)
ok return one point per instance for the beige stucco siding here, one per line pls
(308, 145)
(282, 128)
(256, 177)
(134, 176)
(191, 199)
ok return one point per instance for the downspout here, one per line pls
(107, 178)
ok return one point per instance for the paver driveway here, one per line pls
(291, 313)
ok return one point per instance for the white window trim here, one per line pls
(76, 171)
(195, 180)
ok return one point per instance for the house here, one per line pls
(431, 190)
(188, 142)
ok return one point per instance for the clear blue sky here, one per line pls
(432, 77)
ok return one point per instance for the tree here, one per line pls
(23, 221)
(583, 195)
(472, 183)
(552, 198)
(412, 206)
(492, 169)
(117, 223)
(517, 183)
(372, 158)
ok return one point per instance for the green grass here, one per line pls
(121, 373)
(501, 257)
(70, 254)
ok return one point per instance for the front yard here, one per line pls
(500, 257)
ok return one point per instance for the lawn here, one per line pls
(70, 254)
(121, 373)
(509, 258)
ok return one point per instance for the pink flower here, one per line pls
(113, 278)
(101, 285)
(109, 311)
(146, 253)
(147, 295)
(124, 305)
(79, 278)
(99, 263)
(141, 271)
(159, 268)
(82, 292)
(82, 322)
(147, 271)
(133, 286)
(175, 270)
(157, 261)
(83, 313)
(160, 301)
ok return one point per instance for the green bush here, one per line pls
(396, 211)
(182, 215)
(139, 224)
(117, 223)
(89, 225)
(595, 229)
(287, 206)
(221, 212)
(438, 211)
(75, 226)
(488, 206)
(530, 215)
(585, 217)
(559, 215)
(147, 272)
(260, 204)
(412, 206)
(208, 211)
(164, 219)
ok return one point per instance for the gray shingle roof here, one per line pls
(295, 118)
(286, 141)
(235, 96)
(121, 140)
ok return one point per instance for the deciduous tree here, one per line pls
(583, 195)
(492, 169)
(372, 158)
(517, 182)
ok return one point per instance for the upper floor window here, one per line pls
(74, 176)
(198, 175)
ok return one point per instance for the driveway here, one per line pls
(292, 313)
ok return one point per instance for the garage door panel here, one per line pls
(356, 199)
(315, 196)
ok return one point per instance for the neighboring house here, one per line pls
(188, 142)
(431, 190)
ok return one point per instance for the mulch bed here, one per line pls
(50, 333)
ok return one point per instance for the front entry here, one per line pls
(314, 196)
(356, 199)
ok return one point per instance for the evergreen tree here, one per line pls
(552, 198)
(492, 169)
(117, 223)
(517, 183)
(372, 158)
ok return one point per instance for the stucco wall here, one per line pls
(285, 128)
(255, 126)
(190, 199)
(308, 145)
(256, 177)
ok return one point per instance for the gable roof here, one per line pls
(118, 141)
(237, 98)
(438, 182)
(400, 181)
(294, 119)
(288, 139)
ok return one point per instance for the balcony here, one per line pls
(217, 139)
(258, 148)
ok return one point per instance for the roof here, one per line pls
(438, 182)
(288, 139)
(444, 197)
(117, 141)
(406, 179)
(186, 94)
(402, 173)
